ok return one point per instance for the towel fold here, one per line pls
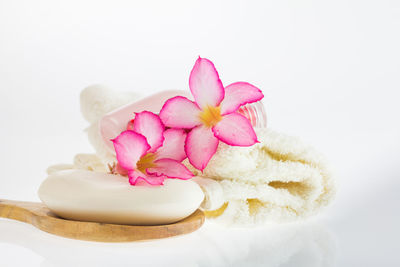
(89, 162)
(279, 179)
(95, 102)
(213, 193)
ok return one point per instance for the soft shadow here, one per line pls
(305, 244)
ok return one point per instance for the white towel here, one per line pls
(279, 179)
(96, 101)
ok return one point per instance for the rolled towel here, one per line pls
(279, 179)
(95, 102)
(213, 193)
(59, 167)
(90, 162)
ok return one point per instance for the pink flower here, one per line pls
(149, 152)
(212, 117)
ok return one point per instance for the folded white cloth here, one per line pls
(213, 193)
(96, 101)
(277, 180)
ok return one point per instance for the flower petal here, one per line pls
(170, 168)
(130, 147)
(173, 146)
(136, 177)
(180, 112)
(238, 94)
(205, 85)
(150, 126)
(200, 146)
(235, 130)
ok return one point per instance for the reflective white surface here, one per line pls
(295, 245)
(330, 74)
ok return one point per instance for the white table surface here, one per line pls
(330, 73)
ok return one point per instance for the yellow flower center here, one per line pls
(210, 116)
(145, 162)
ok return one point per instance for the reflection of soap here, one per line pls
(101, 197)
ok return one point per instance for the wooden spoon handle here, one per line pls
(20, 210)
(41, 217)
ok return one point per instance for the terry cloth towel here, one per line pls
(279, 179)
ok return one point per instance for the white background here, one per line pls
(330, 71)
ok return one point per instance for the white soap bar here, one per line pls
(101, 197)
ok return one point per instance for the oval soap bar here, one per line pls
(101, 197)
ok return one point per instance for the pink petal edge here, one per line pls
(136, 176)
(238, 94)
(200, 146)
(234, 129)
(205, 85)
(130, 147)
(180, 112)
(173, 146)
(170, 168)
(150, 126)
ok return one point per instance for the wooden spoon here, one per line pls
(41, 217)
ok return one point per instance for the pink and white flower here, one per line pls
(213, 116)
(148, 152)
